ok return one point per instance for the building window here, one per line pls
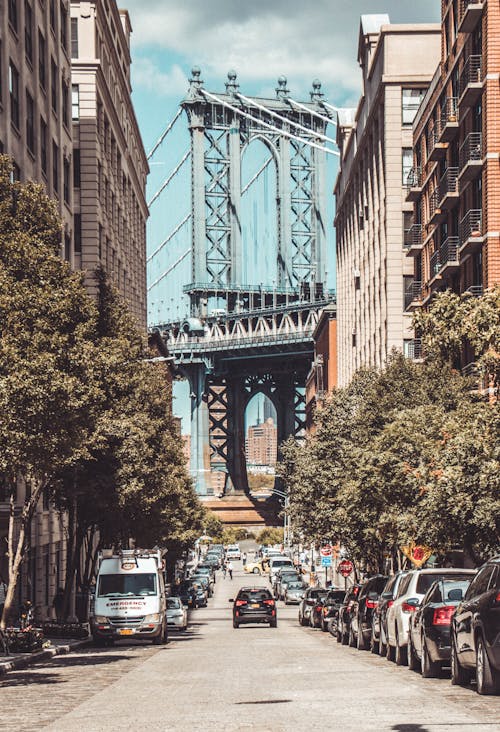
(64, 27)
(407, 159)
(13, 14)
(78, 233)
(65, 103)
(30, 123)
(14, 94)
(67, 246)
(74, 37)
(41, 61)
(55, 167)
(43, 145)
(28, 31)
(52, 15)
(76, 167)
(53, 84)
(75, 101)
(411, 99)
(66, 178)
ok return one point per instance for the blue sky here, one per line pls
(261, 40)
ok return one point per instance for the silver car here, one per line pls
(176, 613)
(294, 592)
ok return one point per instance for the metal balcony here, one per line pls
(471, 81)
(475, 290)
(471, 231)
(435, 149)
(470, 156)
(434, 264)
(413, 295)
(448, 189)
(414, 184)
(448, 254)
(448, 123)
(436, 214)
(413, 238)
(470, 15)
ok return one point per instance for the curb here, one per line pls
(44, 655)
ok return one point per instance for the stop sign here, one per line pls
(326, 551)
(345, 567)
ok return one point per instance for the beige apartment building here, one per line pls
(110, 163)
(70, 125)
(453, 241)
(262, 443)
(375, 141)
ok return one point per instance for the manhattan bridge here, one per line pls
(240, 339)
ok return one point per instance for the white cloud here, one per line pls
(149, 77)
(266, 38)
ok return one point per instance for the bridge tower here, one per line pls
(261, 340)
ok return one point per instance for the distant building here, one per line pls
(262, 443)
(375, 141)
(322, 377)
(453, 236)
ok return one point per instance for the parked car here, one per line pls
(311, 596)
(475, 632)
(254, 605)
(330, 610)
(363, 606)
(187, 593)
(294, 593)
(411, 591)
(278, 563)
(233, 552)
(205, 581)
(176, 613)
(429, 630)
(201, 594)
(212, 560)
(345, 614)
(208, 569)
(282, 578)
(378, 639)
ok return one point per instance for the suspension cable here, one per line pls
(257, 174)
(172, 175)
(252, 103)
(169, 237)
(268, 126)
(330, 106)
(328, 120)
(165, 133)
(172, 266)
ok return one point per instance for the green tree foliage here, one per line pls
(270, 535)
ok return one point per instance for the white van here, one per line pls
(129, 596)
(277, 563)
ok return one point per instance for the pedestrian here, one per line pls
(224, 568)
(244, 558)
(230, 570)
(3, 593)
(58, 604)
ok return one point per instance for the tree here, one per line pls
(48, 400)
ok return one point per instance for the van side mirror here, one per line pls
(231, 599)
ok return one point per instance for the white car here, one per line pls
(277, 563)
(176, 613)
(233, 552)
(411, 590)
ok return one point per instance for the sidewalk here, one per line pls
(58, 647)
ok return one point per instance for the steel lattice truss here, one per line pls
(217, 198)
(302, 205)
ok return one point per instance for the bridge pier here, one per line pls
(200, 448)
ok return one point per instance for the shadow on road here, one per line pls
(28, 678)
(89, 659)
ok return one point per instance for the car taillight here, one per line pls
(442, 616)
(408, 607)
(496, 601)
(268, 602)
(239, 603)
(325, 610)
(318, 608)
(370, 604)
(390, 603)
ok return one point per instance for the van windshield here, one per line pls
(126, 585)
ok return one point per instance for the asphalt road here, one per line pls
(214, 678)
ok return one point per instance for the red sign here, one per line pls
(326, 551)
(345, 567)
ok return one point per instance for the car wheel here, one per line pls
(352, 638)
(382, 647)
(311, 621)
(401, 654)
(344, 635)
(236, 624)
(430, 669)
(273, 623)
(324, 626)
(303, 620)
(391, 652)
(460, 676)
(488, 680)
(256, 570)
(373, 643)
(361, 642)
(413, 662)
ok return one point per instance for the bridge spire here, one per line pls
(195, 82)
(316, 93)
(232, 85)
(281, 91)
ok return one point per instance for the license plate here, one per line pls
(126, 631)
(255, 604)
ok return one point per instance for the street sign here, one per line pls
(326, 551)
(345, 567)
(326, 561)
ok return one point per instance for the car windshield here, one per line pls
(336, 596)
(255, 595)
(173, 603)
(425, 580)
(295, 586)
(280, 563)
(126, 585)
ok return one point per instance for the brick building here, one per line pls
(452, 238)
(262, 443)
(322, 378)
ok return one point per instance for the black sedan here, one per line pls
(345, 614)
(362, 611)
(330, 610)
(429, 630)
(254, 605)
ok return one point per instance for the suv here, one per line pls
(254, 605)
(378, 639)
(233, 552)
(282, 580)
(330, 609)
(313, 596)
(411, 591)
(475, 632)
(362, 611)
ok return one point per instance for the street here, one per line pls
(255, 678)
